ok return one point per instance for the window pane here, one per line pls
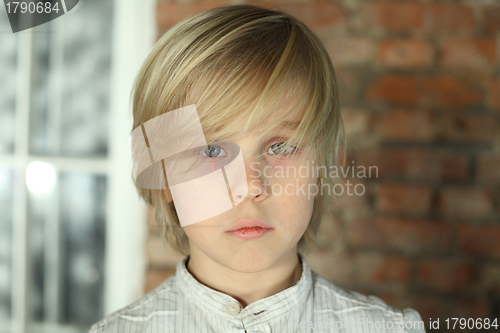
(41, 136)
(83, 217)
(6, 204)
(8, 72)
(72, 83)
(67, 240)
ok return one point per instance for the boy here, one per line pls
(259, 87)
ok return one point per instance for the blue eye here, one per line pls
(278, 149)
(214, 151)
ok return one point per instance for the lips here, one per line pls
(250, 232)
(249, 224)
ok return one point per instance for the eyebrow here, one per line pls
(292, 125)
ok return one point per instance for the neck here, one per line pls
(246, 288)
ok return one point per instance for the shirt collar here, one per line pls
(215, 302)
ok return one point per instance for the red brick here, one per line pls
(491, 19)
(391, 16)
(349, 51)
(489, 168)
(410, 236)
(444, 274)
(395, 89)
(438, 307)
(169, 13)
(404, 125)
(379, 270)
(451, 91)
(472, 53)
(417, 164)
(493, 93)
(405, 53)
(404, 198)
(465, 202)
(155, 277)
(358, 124)
(349, 85)
(441, 91)
(469, 128)
(470, 308)
(480, 240)
(489, 278)
(415, 17)
(448, 18)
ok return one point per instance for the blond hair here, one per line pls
(237, 64)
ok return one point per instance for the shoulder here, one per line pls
(338, 298)
(136, 316)
(361, 309)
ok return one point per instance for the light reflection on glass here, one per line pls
(40, 177)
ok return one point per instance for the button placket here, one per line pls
(233, 308)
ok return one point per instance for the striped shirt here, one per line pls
(313, 304)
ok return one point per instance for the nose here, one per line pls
(257, 182)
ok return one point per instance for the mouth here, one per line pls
(250, 232)
(248, 224)
(250, 229)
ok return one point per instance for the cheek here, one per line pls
(201, 232)
(195, 235)
(295, 215)
(298, 185)
(297, 206)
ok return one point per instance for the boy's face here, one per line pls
(278, 206)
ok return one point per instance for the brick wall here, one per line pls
(420, 94)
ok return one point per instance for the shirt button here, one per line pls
(233, 308)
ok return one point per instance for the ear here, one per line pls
(167, 195)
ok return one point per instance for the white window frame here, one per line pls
(134, 33)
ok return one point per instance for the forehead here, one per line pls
(269, 126)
